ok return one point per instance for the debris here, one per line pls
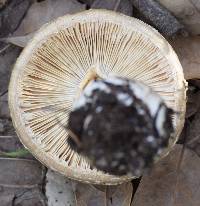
(168, 186)
(158, 16)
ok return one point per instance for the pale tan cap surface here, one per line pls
(54, 66)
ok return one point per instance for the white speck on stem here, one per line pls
(87, 121)
(92, 86)
(99, 109)
(125, 99)
(161, 120)
(96, 85)
(116, 81)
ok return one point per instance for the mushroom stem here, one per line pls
(122, 125)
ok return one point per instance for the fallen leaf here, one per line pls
(167, 186)
(42, 12)
(12, 15)
(188, 52)
(187, 11)
(193, 133)
(193, 103)
(123, 6)
(20, 41)
(7, 60)
(120, 195)
(59, 190)
(89, 195)
(17, 196)
(21, 173)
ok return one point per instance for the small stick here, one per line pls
(117, 5)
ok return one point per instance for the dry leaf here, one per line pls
(193, 103)
(20, 41)
(64, 192)
(123, 6)
(187, 11)
(59, 191)
(115, 194)
(42, 12)
(193, 137)
(164, 186)
(188, 52)
(88, 195)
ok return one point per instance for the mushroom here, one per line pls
(60, 62)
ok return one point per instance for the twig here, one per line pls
(5, 48)
(3, 93)
(117, 5)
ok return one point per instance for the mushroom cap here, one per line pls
(59, 61)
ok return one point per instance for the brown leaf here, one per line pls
(193, 134)
(59, 191)
(188, 52)
(193, 103)
(42, 12)
(187, 11)
(120, 195)
(11, 16)
(167, 186)
(123, 6)
(20, 173)
(88, 195)
(20, 41)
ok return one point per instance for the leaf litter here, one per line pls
(64, 192)
(168, 186)
(39, 14)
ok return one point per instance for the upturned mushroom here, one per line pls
(75, 53)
